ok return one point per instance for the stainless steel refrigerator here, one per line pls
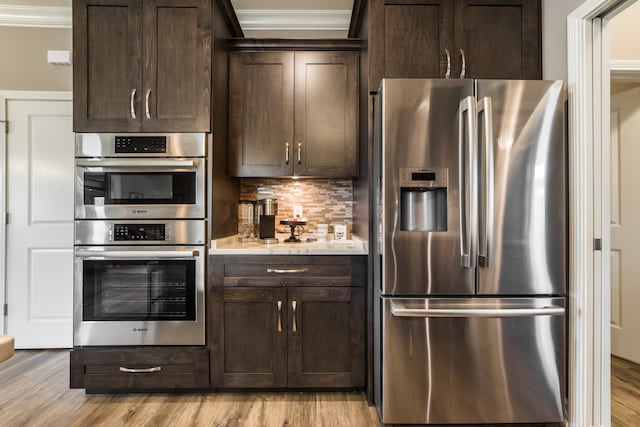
(470, 263)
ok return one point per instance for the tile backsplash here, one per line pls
(328, 201)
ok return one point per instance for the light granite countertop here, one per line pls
(232, 246)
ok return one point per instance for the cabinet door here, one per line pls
(326, 114)
(107, 66)
(500, 38)
(409, 38)
(326, 338)
(177, 66)
(261, 114)
(248, 338)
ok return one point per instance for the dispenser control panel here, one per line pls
(423, 177)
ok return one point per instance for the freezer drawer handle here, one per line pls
(399, 311)
(141, 370)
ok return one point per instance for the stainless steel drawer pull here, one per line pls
(140, 370)
(286, 152)
(133, 108)
(299, 153)
(146, 104)
(463, 68)
(287, 271)
(279, 316)
(293, 306)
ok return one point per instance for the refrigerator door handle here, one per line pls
(400, 311)
(467, 196)
(485, 251)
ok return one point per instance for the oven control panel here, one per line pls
(140, 144)
(128, 232)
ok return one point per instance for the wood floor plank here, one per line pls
(34, 392)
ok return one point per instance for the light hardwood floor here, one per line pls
(625, 393)
(34, 391)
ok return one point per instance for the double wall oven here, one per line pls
(140, 235)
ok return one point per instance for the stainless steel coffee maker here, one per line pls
(266, 211)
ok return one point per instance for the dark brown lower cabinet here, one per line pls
(140, 368)
(298, 337)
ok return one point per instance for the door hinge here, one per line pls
(5, 310)
(6, 218)
(597, 244)
(6, 126)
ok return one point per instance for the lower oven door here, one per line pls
(473, 361)
(139, 295)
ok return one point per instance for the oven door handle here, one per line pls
(147, 163)
(136, 254)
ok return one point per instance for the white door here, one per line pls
(39, 230)
(625, 224)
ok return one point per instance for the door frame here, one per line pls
(589, 211)
(5, 97)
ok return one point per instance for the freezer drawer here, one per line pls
(474, 360)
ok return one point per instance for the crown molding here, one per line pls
(35, 16)
(625, 71)
(314, 20)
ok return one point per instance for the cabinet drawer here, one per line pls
(277, 271)
(140, 368)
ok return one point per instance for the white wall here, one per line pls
(554, 37)
(624, 32)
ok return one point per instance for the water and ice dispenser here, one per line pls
(423, 199)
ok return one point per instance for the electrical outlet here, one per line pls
(297, 211)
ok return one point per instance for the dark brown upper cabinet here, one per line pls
(142, 65)
(498, 39)
(293, 113)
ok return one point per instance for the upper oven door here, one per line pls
(140, 188)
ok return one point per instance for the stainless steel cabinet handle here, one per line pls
(141, 370)
(299, 151)
(287, 271)
(135, 254)
(463, 68)
(286, 152)
(497, 312)
(467, 196)
(486, 238)
(146, 104)
(279, 316)
(293, 307)
(448, 73)
(133, 108)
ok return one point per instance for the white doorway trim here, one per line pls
(6, 96)
(589, 212)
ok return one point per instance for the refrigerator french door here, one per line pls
(470, 259)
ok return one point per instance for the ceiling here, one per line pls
(294, 18)
(258, 18)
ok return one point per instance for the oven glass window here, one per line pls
(139, 290)
(152, 188)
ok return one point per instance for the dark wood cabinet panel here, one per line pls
(107, 65)
(326, 114)
(261, 114)
(282, 334)
(326, 348)
(455, 38)
(249, 340)
(174, 368)
(293, 113)
(500, 39)
(142, 65)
